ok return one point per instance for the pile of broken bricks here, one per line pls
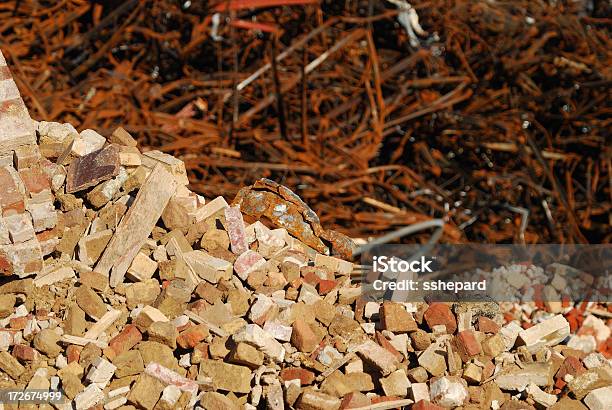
(124, 290)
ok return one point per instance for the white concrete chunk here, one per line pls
(89, 397)
(599, 399)
(256, 336)
(101, 372)
(550, 332)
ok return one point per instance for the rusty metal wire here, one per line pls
(494, 117)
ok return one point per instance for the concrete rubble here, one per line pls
(128, 291)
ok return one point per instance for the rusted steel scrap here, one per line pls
(491, 116)
(285, 209)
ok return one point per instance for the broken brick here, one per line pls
(236, 230)
(306, 377)
(93, 168)
(426, 405)
(11, 199)
(248, 262)
(395, 318)
(25, 353)
(487, 325)
(303, 338)
(440, 314)
(571, 365)
(124, 341)
(467, 345)
(193, 335)
(90, 302)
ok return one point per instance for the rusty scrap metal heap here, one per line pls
(489, 114)
(123, 289)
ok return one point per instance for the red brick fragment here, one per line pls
(508, 317)
(11, 199)
(487, 325)
(6, 267)
(18, 323)
(34, 180)
(292, 373)
(46, 235)
(608, 350)
(73, 353)
(467, 345)
(354, 400)
(192, 336)
(303, 338)
(425, 405)
(440, 314)
(382, 340)
(124, 341)
(574, 317)
(311, 278)
(383, 399)
(325, 286)
(565, 300)
(571, 365)
(25, 353)
(560, 384)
